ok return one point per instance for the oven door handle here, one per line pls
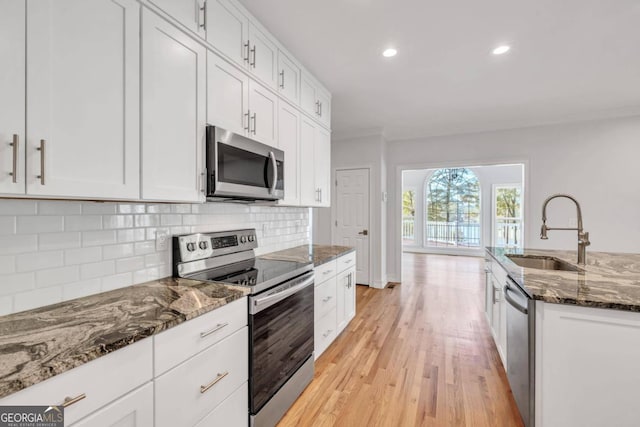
(259, 304)
(274, 175)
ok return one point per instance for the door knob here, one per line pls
(364, 232)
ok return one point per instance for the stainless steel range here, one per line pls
(280, 313)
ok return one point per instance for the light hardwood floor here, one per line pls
(418, 354)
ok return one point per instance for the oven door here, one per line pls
(239, 167)
(281, 336)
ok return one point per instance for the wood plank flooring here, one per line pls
(417, 354)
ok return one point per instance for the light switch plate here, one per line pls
(162, 240)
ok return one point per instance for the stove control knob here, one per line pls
(203, 245)
(243, 239)
(252, 237)
(191, 246)
(252, 281)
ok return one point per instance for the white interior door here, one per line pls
(352, 217)
(12, 93)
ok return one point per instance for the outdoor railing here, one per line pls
(453, 234)
(508, 232)
(408, 227)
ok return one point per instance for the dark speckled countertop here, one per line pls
(38, 344)
(318, 254)
(608, 280)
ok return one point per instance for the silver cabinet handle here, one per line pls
(216, 329)
(327, 299)
(253, 50)
(15, 144)
(203, 181)
(320, 195)
(246, 46)
(41, 149)
(203, 9)
(326, 334)
(320, 109)
(248, 114)
(282, 79)
(324, 273)
(219, 377)
(317, 107)
(347, 261)
(68, 401)
(255, 121)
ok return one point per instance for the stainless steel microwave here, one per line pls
(239, 168)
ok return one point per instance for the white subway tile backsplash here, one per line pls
(50, 241)
(97, 269)
(7, 225)
(15, 244)
(82, 222)
(39, 261)
(39, 224)
(59, 250)
(57, 276)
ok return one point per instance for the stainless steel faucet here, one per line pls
(583, 236)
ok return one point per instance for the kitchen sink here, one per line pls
(542, 262)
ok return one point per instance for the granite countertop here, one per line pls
(38, 344)
(318, 254)
(608, 280)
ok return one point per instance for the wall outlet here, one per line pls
(573, 222)
(162, 240)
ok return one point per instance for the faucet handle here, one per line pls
(584, 238)
(543, 232)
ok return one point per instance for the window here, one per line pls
(507, 216)
(453, 209)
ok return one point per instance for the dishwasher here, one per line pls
(521, 349)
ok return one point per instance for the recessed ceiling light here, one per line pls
(501, 49)
(388, 53)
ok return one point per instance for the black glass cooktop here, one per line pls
(259, 274)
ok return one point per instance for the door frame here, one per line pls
(395, 220)
(334, 205)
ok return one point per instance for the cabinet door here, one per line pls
(341, 307)
(289, 142)
(322, 171)
(190, 13)
(350, 296)
(288, 78)
(227, 95)
(12, 87)
(83, 98)
(308, 189)
(263, 60)
(324, 109)
(228, 30)
(308, 97)
(263, 105)
(132, 410)
(173, 112)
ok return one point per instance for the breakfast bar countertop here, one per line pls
(608, 280)
(38, 344)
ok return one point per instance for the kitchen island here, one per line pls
(586, 334)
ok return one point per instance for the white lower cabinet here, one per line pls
(94, 384)
(335, 300)
(232, 412)
(188, 392)
(131, 410)
(495, 306)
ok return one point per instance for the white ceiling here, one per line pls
(570, 60)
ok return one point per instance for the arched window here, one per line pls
(453, 208)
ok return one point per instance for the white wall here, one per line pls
(487, 176)
(52, 251)
(364, 152)
(596, 161)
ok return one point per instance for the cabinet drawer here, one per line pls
(133, 409)
(346, 261)
(102, 381)
(180, 343)
(232, 412)
(325, 298)
(325, 332)
(181, 397)
(325, 271)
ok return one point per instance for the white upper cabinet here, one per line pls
(289, 142)
(83, 98)
(263, 105)
(288, 78)
(263, 56)
(315, 100)
(227, 95)
(12, 87)
(228, 30)
(315, 164)
(324, 107)
(322, 158)
(190, 13)
(173, 112)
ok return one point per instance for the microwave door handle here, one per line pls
(275, 172)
